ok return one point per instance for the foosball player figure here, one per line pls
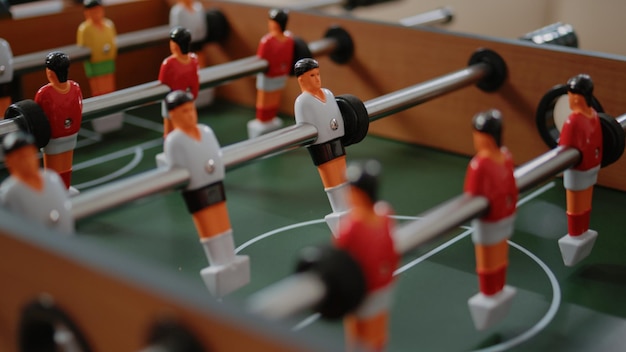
(62, 102)
(6, 75)
(190, 14)
(98, 34)
(581, 130)
(194, 147)
(179, 71)
(365, 234)
(34, 193)
(277, 48)
(490, 175)
(317, 106)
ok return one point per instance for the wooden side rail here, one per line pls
(389, 57)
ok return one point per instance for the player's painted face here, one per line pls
(52, 77)
(96, 14)
(185, 116)
(576, 101)
(174, 47)
(311, 81)
(273, 27)
(483, 141)
(23, 161)
(359, 199)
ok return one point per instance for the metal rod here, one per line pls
(295, 293)
(433, 223)
(388, 104)
(209, 77)
(117, 193)
(441, 15)
(438, 221)
(283, 139)
(622, 120)
(122, 99)
(314, 4)
(459, 210)
(545, 167)
(125, 42)
(153, 91)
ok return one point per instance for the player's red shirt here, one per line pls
(181, 76)
(495, 181)
(64, 111)
(277, 53)
(584, 134)
(371, 244)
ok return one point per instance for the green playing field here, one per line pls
(277, 205)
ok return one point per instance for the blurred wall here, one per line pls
(596, 23)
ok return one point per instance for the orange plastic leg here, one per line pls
(201, 58)
(491, 263)
(167, 127)
(492, 256)
(4, 105)
(370, 333)
(333, 173)
(102, 84)
(61, 163)
(579, 201)
(212, 221)
(267, 104)
(578, 211)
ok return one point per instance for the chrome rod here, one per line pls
(125, 42)
(153, 91)
(388, 104)
(432, 224)
(280, 140)
(441, 15)
(210, 76)
(457, 211)
(127, 190)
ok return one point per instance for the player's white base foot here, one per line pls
(108, 123)
(487, 311)
(257, 128)
(161, 161)
(226, 278)
(72, 191)
(333, 220)
(576, 248)
(205, 97)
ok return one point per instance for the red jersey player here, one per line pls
(366, 235)
(581, 130)
(179, 71)
(62, 102)
(277, 48)
(490, 175)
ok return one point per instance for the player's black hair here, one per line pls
(59, 63)
(91, 3)
(489, 122)
(16, 140)
(304, 65)
(279, 16)
(364, 176)
(177, 98)
(182, 37)
(582, 85)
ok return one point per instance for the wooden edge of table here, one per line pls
(389, 57)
